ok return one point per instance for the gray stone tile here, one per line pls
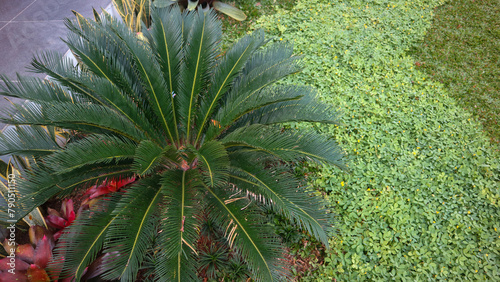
(45, 10)
(28, 27)
(20, 41)
(11, 8)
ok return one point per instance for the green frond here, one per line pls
(132, 233)
(36, 89)
(188, 20)
(119, 70)
(225, 71)
(176, 243)
(124, 105)
(254, 240)
(279, 189)
(27, 141)
(95, 43)
(149, 156)
(7, 169)
(166, 42)
(306, 109)
(214, 163)
(62, 71)
(106, 54)
(153, 82)
(101, 91)
(268, 57)
(81, 242)
(287, 146)
(237, 116)
(90, 117)
(264, 67)
(200, 51)
(94, 149)
(249, 84)
(247, 89)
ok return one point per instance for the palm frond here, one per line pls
(105, 48)
(260, 77)
(92, 88)
(153, 82)
(132, 233)
(95, 149)
(214, 163)
(268, 57)
(90, 117)
(62, 71)
(95, 43)
(188, 20)
(166, 41)
(178, 227)
(230, 118)
(124, 105)
(263, 68)
(27, 141)
(149, 156)
(260, 251)
(279, 189)
(306, 109)
(10, 171)
(226, 69)
(200, 51)
(286, 146)
(36, 89)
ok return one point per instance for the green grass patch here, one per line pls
(421, 201)
(462, 50)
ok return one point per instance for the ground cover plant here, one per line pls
(187, 132)
(421, 201)
(254, 9)
(462, 50)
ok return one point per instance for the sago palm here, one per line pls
(198, 128)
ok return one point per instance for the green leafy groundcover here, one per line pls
(422, 198)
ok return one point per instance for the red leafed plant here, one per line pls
(60, 220)
(66, 216)
(30, 259)
(108, 187)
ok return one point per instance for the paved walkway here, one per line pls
(28, 27)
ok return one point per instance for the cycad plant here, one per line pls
(199, 129)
